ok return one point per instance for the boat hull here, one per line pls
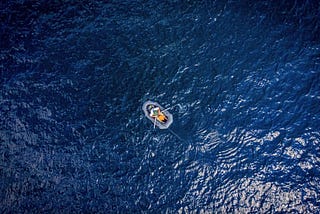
(156, 122)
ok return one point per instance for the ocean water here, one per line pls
(241, 78)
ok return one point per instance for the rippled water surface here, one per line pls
(241, 79)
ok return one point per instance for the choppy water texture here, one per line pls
(242, 78)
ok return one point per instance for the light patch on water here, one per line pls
(44, 113)
(272, 135)
(210, 141)
(293, 153)
(301, 141)
(248, 192)
(306, 165)
(244, 196)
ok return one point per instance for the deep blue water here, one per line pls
(242, 79)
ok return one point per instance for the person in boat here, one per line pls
(156, 113)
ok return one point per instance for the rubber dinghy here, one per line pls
(157, 114)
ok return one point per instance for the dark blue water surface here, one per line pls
(242, 79)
